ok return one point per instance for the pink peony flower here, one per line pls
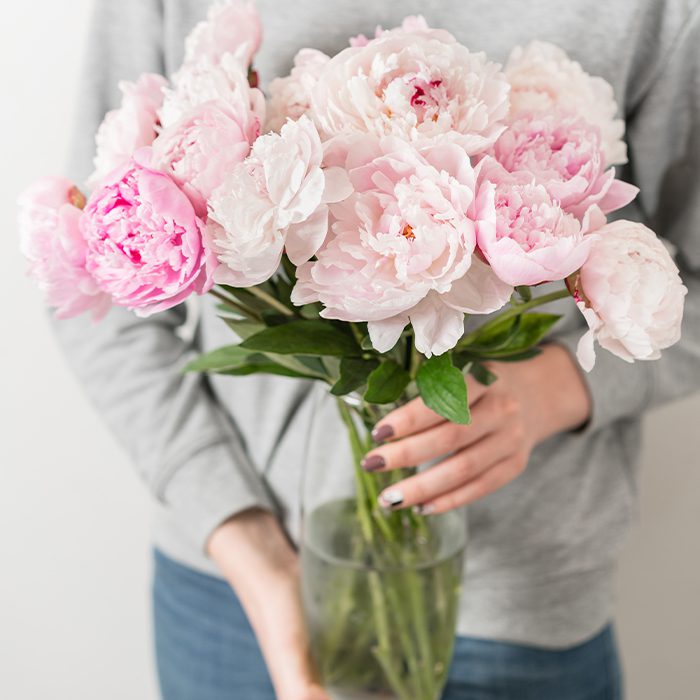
(414, 24)
(543, 78)
(232, 27)
(630, 293)
(200, 150)
(203, 82)
(275, 200)
(402, 246)
(413, 86)
(130, 127)
(564, 153)
(144, 240)
(290, 97)
(533, 239)
(49, 225)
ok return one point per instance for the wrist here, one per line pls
(568, 404)
(253, 553)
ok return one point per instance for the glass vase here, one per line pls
(380, 589)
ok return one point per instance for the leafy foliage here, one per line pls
(387, 383)
(443, 389)
(304, 337)
(354, 373)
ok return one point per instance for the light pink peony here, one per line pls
(533, 240)
(630, 293)
(132, 126)
(49, 225)
(232, 27)
(275, 201)
(290, 97)
(402, 246)
(203, 82)
(414, 24)
(413, 86)
(144, 239)
(543, 78)
(564, 153)
(201, 149)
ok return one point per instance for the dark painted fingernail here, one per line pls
(373, 463)
(391, 498)
(382, 433)
(428, 509)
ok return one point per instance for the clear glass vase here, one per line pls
(380, 589)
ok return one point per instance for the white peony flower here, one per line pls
(130, 127)
(275, 200)
(411, 85)
(402, 245)
(543, 78)
(630, 294)
(290, 97)
(232, 27)
(202, 82)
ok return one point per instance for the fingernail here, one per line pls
(391, 499)
(373, 463)
(382, 433)
(427, 509)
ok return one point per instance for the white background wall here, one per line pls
(74, 552)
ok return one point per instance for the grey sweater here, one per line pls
(543, 549)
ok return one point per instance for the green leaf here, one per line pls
(519, 356)
(243, 328)
(493, 335)
(386, 383)
(274, 318)
(235, 360)
(260, 364)
(228, 357)
(354, 372)
(443, 389)
(509, 337)
(482, 374)
(303, 338)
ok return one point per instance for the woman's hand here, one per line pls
(257, 560)
(530, 402)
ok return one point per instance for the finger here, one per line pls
(416, 417)
(439, 440)
(447, 476)
(498, 476)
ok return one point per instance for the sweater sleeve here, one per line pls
(664, 144)
(184, 445)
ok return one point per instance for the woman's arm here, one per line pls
(262, 567)
(183, 444)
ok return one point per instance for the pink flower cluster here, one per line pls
(139, 241)
(409, 180)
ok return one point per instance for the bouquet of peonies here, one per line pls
(347, 225)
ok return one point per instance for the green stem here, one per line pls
(233, 304)
(357, 333)
(415, 359)
(363, 513)
(270, 301)
(513, 312)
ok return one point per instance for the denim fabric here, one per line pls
(206, 650)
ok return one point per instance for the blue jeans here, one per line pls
(206, 650)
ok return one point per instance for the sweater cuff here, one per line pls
(618, 389)
(208, 486)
